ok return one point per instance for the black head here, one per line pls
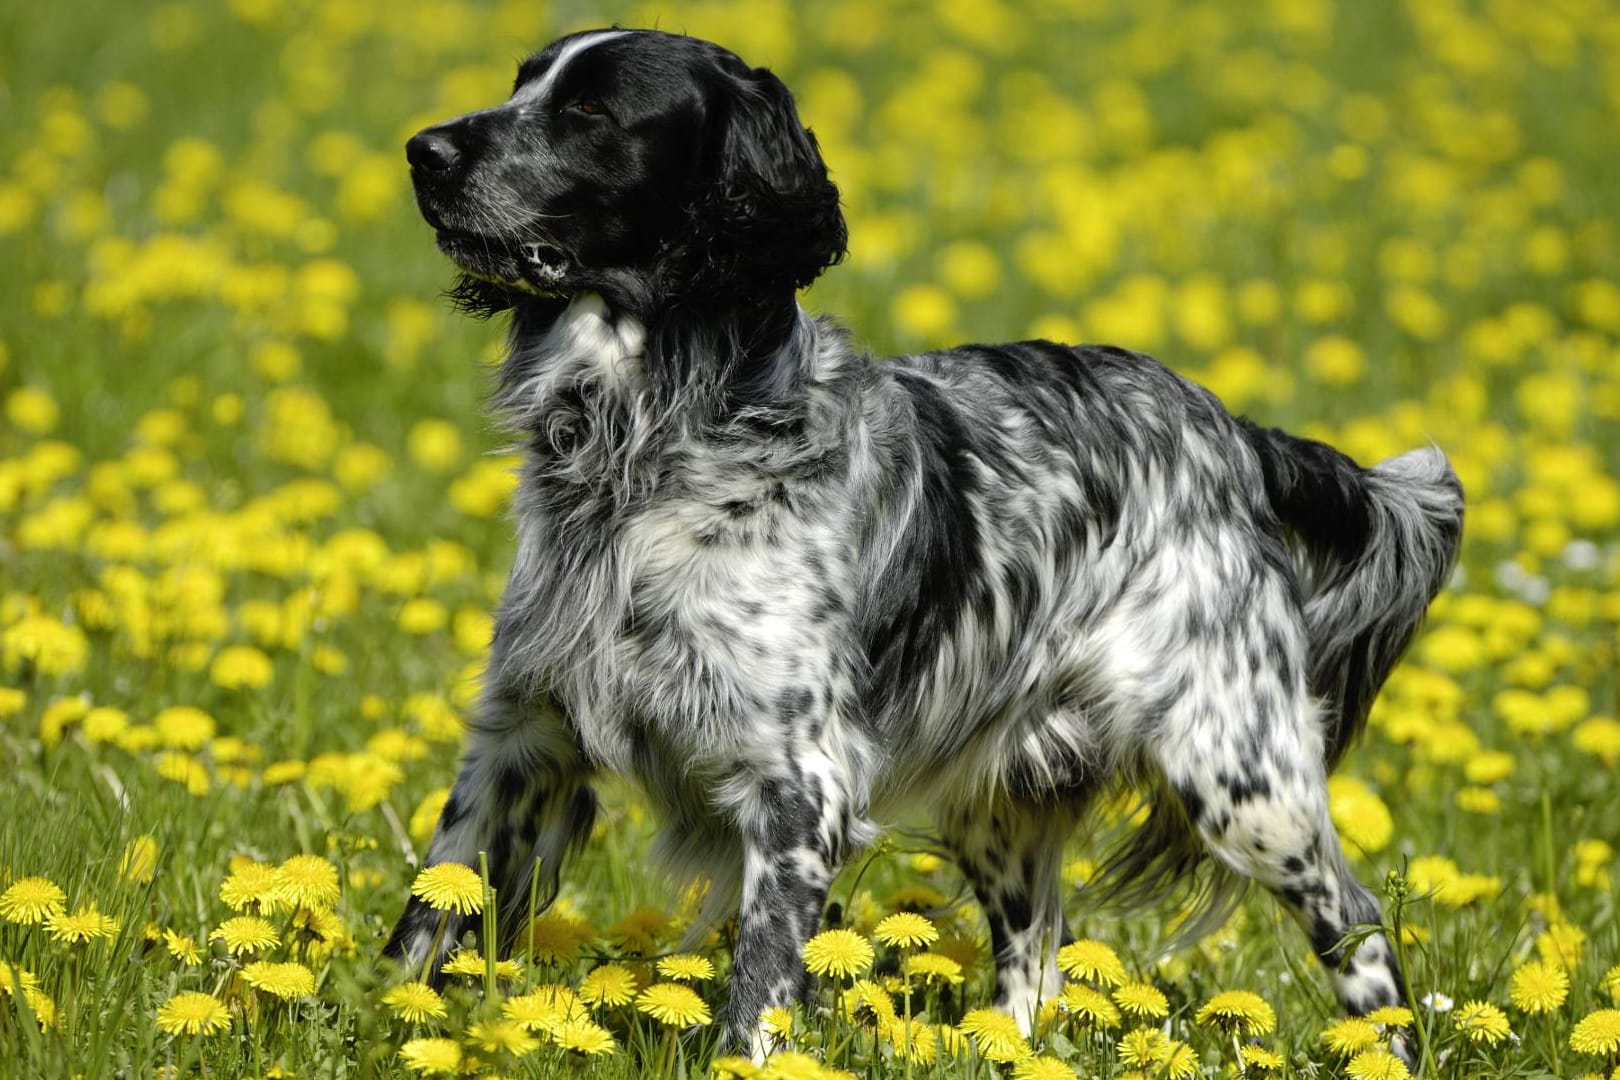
(656, 169)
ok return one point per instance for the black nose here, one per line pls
(431, 152)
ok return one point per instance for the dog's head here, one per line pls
(647, 166)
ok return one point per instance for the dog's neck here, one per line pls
(717, 357)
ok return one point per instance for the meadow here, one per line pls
(253, 518)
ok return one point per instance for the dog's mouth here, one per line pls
(531, 266)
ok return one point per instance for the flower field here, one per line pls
(253, 519)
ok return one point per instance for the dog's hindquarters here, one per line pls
(1235, 664)
(1234, 748)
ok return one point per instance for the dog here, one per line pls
(792, 591)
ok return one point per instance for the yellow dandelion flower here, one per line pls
(1238, 1011)
(285, 772)
(545, 1008)
(1093, 1007)
(503, 1036)
(1482, 1022)
(934, 967)
(245, 934)
(1561, 944)
(464, 962)
(1611, 982)
(426, 814)
(953, 1040)
(192, 1013)
(31, 900)
(686, 968)
(995, 1034)
(470, 962)
(732, 1067)
(1092, 961)
(307, 881)
(916, 898)
(1597, 1033)
(777, 1022)
(1260, 1059)
(1539, 987)
(450, 887)
(917, 1042)
(182, 727)
(610, 984)
(584, 1037)
(139, 863)
(1377, 1064)
(906, 930)
(85, 924)
(1390, 1016)
(556, 939)
(432, 1057)
(43, 1007)
(1142, 1000)
(869, 1004)
(673, 1004)
(321, 925)
(1182, 1062)
(1599, 737)
(249, 884)
(241, 667)
(414, 1002)
(1349, 1036)
(638, 932)
(1145, 1048)
(792, 1065)
(13, 978)
(11, 702)
(839, 953)
(285, 981)
(1042, 1068)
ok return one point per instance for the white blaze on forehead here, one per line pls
(539, 89)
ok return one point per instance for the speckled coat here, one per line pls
(797, 594)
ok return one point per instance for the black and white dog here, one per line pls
(792, 591)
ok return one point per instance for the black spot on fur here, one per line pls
(936, 561)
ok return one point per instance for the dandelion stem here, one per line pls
(1396, 892)
(1547, 841)
(491, 942)
(837, 1016)
(905, 975)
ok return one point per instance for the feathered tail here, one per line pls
(1373, 547)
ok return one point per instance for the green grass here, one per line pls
(1244, 190)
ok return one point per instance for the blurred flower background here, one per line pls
(252, 516)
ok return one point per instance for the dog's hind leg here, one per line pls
(1011, 852)
(522, 794)
(1242, 747)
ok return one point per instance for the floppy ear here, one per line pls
(770, 219)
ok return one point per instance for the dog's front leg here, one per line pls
(795, 831)
(522, 793)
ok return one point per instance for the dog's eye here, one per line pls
(590, 107)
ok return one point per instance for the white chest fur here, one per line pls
(586, 344)
(667, 582)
